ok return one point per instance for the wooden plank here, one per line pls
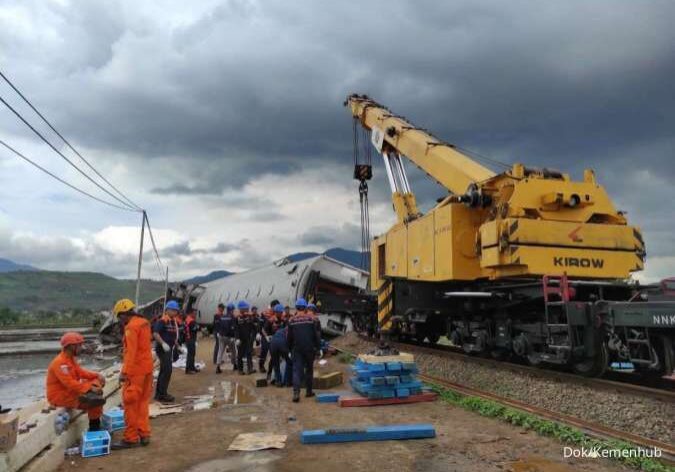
(50, 459)
(360, 401)
(330, 380)
(401, 357)
(30, 444)
(370, 433)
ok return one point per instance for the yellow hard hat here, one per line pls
(122, 306)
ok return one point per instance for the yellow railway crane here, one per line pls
(525, 239)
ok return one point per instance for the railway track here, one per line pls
(592, 429)
(665, 392)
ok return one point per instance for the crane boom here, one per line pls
(450, 168)
(520, 222)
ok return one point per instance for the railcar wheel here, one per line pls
(433, 338)
(534, 359)
(499, 354)
(595, 366)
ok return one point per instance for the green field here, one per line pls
(47, 291)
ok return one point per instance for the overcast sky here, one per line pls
(224, 119)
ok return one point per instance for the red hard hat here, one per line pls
(71, 338)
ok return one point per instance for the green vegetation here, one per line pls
(76, 317)
(566, 434)
(346, 358)
(37, 294)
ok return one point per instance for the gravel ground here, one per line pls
(646, 417)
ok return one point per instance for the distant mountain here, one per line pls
(201, 279)
(301, 256)
(10, 266)
(347, 256)
(46, 290)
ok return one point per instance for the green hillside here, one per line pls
(64, 291)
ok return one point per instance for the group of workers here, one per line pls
(294, 340)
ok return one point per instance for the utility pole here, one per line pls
(166, 287)
(140, 261)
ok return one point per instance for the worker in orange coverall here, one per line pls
(136, 375)
(71, 386)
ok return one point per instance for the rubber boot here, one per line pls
(296, 396)
(123, 445)
(92, 399)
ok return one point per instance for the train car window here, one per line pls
(271, 290)
(236, 297)
(292, 269)
(248, 290)
(259, 290)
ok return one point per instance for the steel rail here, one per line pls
(665, 394)
(591, 429)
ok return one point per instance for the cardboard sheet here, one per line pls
(257, 442)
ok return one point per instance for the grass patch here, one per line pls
(346, 358)
(564, 433)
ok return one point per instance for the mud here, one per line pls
(198, 440)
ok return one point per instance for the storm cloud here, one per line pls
(225, 118)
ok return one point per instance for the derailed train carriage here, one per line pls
(338, 289)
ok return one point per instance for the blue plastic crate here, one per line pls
(113, 420)
(402, 392)
(392, 380)
(393, 366)
(95, 443)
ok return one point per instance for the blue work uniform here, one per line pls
(279, 351)
(216, 320)
(167, 328)
(224, 329)
(304, 341)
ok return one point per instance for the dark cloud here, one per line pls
(184, 248)
(346, 235)
(231, 92)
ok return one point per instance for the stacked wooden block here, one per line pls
(380, 377)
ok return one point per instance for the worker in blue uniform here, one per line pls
(246, 328)
(216, 319)
(190, 330)
(165, 334)
(304, 340)
(279, 349)
(225, 336)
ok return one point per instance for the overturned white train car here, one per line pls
(338, 289)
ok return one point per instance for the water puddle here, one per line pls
(260, 461)
(232, 393)
(538, 464)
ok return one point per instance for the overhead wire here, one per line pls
(51, 174)
(28, 102)
(158, 259)
(128, 205)
(63, 156)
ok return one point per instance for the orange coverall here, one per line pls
(66, 381)
(137, 366)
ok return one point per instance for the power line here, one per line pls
(61, 180)
(65, 140)
(63, 156)
(158, 260)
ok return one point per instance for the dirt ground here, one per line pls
(197, 441)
